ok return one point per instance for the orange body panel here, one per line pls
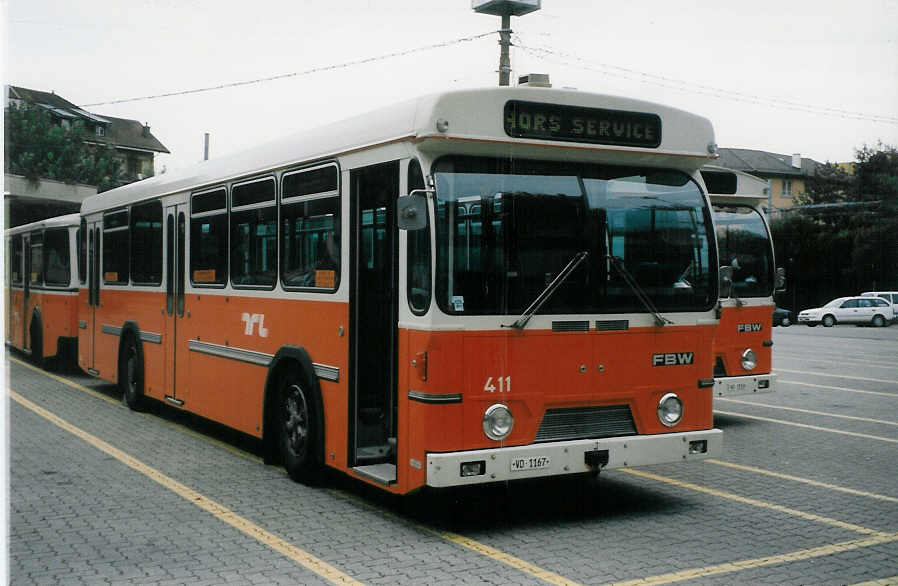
(731, 339)
(59, 318)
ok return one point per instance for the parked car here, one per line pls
(890, 296)
(782, 317)
(856, 310)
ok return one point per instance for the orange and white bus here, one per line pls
(42, 288)
(542, 302)
(743, 346)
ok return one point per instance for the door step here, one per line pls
(382, 473)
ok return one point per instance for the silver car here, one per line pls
(849, 310)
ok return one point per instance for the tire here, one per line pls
(36, 333)
(828, 321)
(785, 322)
(810, 325)
(298, 429)
(130, 375)
(879, 321)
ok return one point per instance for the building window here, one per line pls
(101, 131)
(787, 187)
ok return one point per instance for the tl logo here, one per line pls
(251, 319)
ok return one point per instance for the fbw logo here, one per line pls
(672, 359)
(748, 327)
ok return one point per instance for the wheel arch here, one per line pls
(130, 329)
(298, 359)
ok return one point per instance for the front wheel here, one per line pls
(785, 322)
(298, 431)
(829, 321)
(130, 376)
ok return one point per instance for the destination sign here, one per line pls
(579, 124)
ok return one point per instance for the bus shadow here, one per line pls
(723, 421)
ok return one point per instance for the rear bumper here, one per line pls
(732, 386)
(569, 457)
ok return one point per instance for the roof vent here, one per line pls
(534, 80)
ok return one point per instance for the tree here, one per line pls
(37, 147)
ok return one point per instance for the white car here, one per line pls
(849, 310)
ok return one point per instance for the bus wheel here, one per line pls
(130, 376)
(297, 430)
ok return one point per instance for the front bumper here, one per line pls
(569, 457)
(732, 386)
(808, 319)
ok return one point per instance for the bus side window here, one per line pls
(310, 222)
(116, 246)
(209, 238)
(37, 258)
(16, 272)
(56, 257)
(254, 234)
(418, 252)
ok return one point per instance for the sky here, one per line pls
(819, 78)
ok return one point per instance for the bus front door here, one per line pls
(174, 340)
(87, 338)
(373, 322)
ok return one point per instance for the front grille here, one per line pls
(609, 325)
(570, 326)
(585, 423)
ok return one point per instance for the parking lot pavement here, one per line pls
(805, 492)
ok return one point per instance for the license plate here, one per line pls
(532, 463)
(737, 387)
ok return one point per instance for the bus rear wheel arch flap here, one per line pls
(828, 321)
(294, 418)
(130, 369)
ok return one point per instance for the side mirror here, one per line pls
(779, 280)
(725, 276)
(411, 210)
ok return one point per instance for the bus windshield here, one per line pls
(506, 228)
(744, 244)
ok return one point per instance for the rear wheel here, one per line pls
(37, 342)
(829, 321)
(298, 429)
(130, 376)
(879, 321)
(785, 322)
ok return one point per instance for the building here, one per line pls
(130, 142)
(785, 174)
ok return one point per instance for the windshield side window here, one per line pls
(418, 252)
(744, 244)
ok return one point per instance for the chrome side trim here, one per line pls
(82, 324)
(174, 401)
(113, 330)
(151, 337)
(250, 356)
(326, 372)
(435, 399)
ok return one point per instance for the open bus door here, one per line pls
(373, 322)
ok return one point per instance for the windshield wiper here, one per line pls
(640, 293)
(521, 322)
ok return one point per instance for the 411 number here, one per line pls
(502, 384)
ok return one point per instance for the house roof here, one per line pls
(764, 163)
(120, 132)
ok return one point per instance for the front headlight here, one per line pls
(497, 422)
(670, 409)
(749, 360)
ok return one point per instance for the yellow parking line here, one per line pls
(457, 539)
(814, 427)
(466, 542)
(875, 380)
(739, 566)
(808, 411)
(881, 394)
(755, 502)
(782, 476)
(892, 581)
(220, 512)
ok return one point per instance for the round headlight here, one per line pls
(749, 360)
(670, 409)
(497, 422)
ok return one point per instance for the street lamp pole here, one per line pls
(505, 9)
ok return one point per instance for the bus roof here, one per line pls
(65, 221)
(475, 115)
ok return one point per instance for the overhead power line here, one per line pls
(297, 73)
(660, 80)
